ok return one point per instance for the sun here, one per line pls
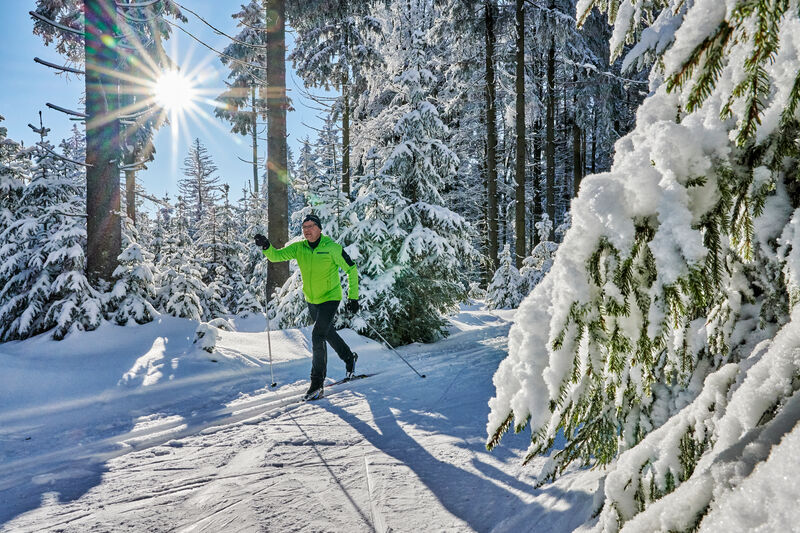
(174, 91)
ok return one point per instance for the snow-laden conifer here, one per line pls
(646, 341)
(412, 243)
(244, 102)
(199, 187)
(537, 265)
(506, 289)
(42, 257)
(134, 291)
(289, 309)
(213, 254)
(181, 288)
(13, 170)
(232, 247)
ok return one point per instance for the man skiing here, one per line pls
(320, 259)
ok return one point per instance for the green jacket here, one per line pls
(319, 268)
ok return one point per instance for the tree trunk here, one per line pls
(103, 224)
(550, 148)
(519, 221)
(537, 182)
(594, 139)
(577, 160)
(346, 125)
(491, 141)
(277, 190)
(254, 126)
(346, 140)
(130, 195)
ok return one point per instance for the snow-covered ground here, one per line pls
(138, 429)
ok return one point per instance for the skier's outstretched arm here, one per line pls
(276, 254)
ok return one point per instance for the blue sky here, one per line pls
(26, 86)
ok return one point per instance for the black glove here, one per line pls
(352, 306)
(262, 241)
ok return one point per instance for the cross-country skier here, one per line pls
(320, 259)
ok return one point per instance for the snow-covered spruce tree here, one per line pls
(333, 48)
(254, 210)
(536, 266)
(288, 309)
(134, 291)
(231, 248)
(421, 245)
(13, 170)
(211, 250)
(181, 288)
(42, 256)
(244, 102)
(505, 290)
(200, 187)
(645, 341)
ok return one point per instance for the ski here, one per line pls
(321, 393)
(345, 380)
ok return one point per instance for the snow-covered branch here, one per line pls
(58, 67)
(67, 111)
(56, 24)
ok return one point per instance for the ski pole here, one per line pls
(389, 345)
(269, 340)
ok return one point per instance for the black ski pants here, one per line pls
(322, 315)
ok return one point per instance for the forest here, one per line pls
(624, 173)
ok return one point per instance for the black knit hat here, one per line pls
(314, 219)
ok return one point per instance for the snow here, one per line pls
(138, 428)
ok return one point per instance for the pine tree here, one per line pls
(243, 103)
(422, 242)
(200, 187)
(676, 271)
(232, 249)
(13, 170)
(43, 259)
(333, 48)
(81, 31)
(181, 288)
(288, 309)
(536, 266)
(505, 290)
(132, 296)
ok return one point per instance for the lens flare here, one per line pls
(174, 91)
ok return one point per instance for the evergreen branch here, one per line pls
(712, 49)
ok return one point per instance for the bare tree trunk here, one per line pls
(594, 139)
(103, 224)
(346, 126)
(550, 149)
(519, 221)
(130, 195)
(537, 184)
(577, 160)
(255, 139)
(277, 189)
(491, 140)
(577, 170)
(346, 140)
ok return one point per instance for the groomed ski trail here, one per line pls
(390, 453)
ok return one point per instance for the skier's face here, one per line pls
(311, 231)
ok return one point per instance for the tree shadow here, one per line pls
(482, 502)
(58, 457)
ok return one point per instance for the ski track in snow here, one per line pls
(389, 453)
